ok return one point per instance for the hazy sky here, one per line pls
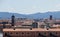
(29, 6)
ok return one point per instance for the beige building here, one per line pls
(37, 32)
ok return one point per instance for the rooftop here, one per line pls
(34, 29)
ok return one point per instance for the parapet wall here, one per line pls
(31, 33)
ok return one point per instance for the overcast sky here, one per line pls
(29, 6)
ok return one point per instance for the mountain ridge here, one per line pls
(31, 16)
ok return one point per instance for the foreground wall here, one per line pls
(31, 34)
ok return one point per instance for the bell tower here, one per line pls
(13, 20)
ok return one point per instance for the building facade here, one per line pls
(31, 33)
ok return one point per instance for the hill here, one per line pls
(38, 15)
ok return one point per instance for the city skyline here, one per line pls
(29, 6)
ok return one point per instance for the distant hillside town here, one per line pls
(18, 27)
(26, 27)
(29, 23)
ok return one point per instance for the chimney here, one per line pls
(13, 20)
(30, 28)
(50, 17)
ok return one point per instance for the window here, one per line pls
(11, 33)
(22, 33)
(5, 34)
(28, 33)
(16, 33)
